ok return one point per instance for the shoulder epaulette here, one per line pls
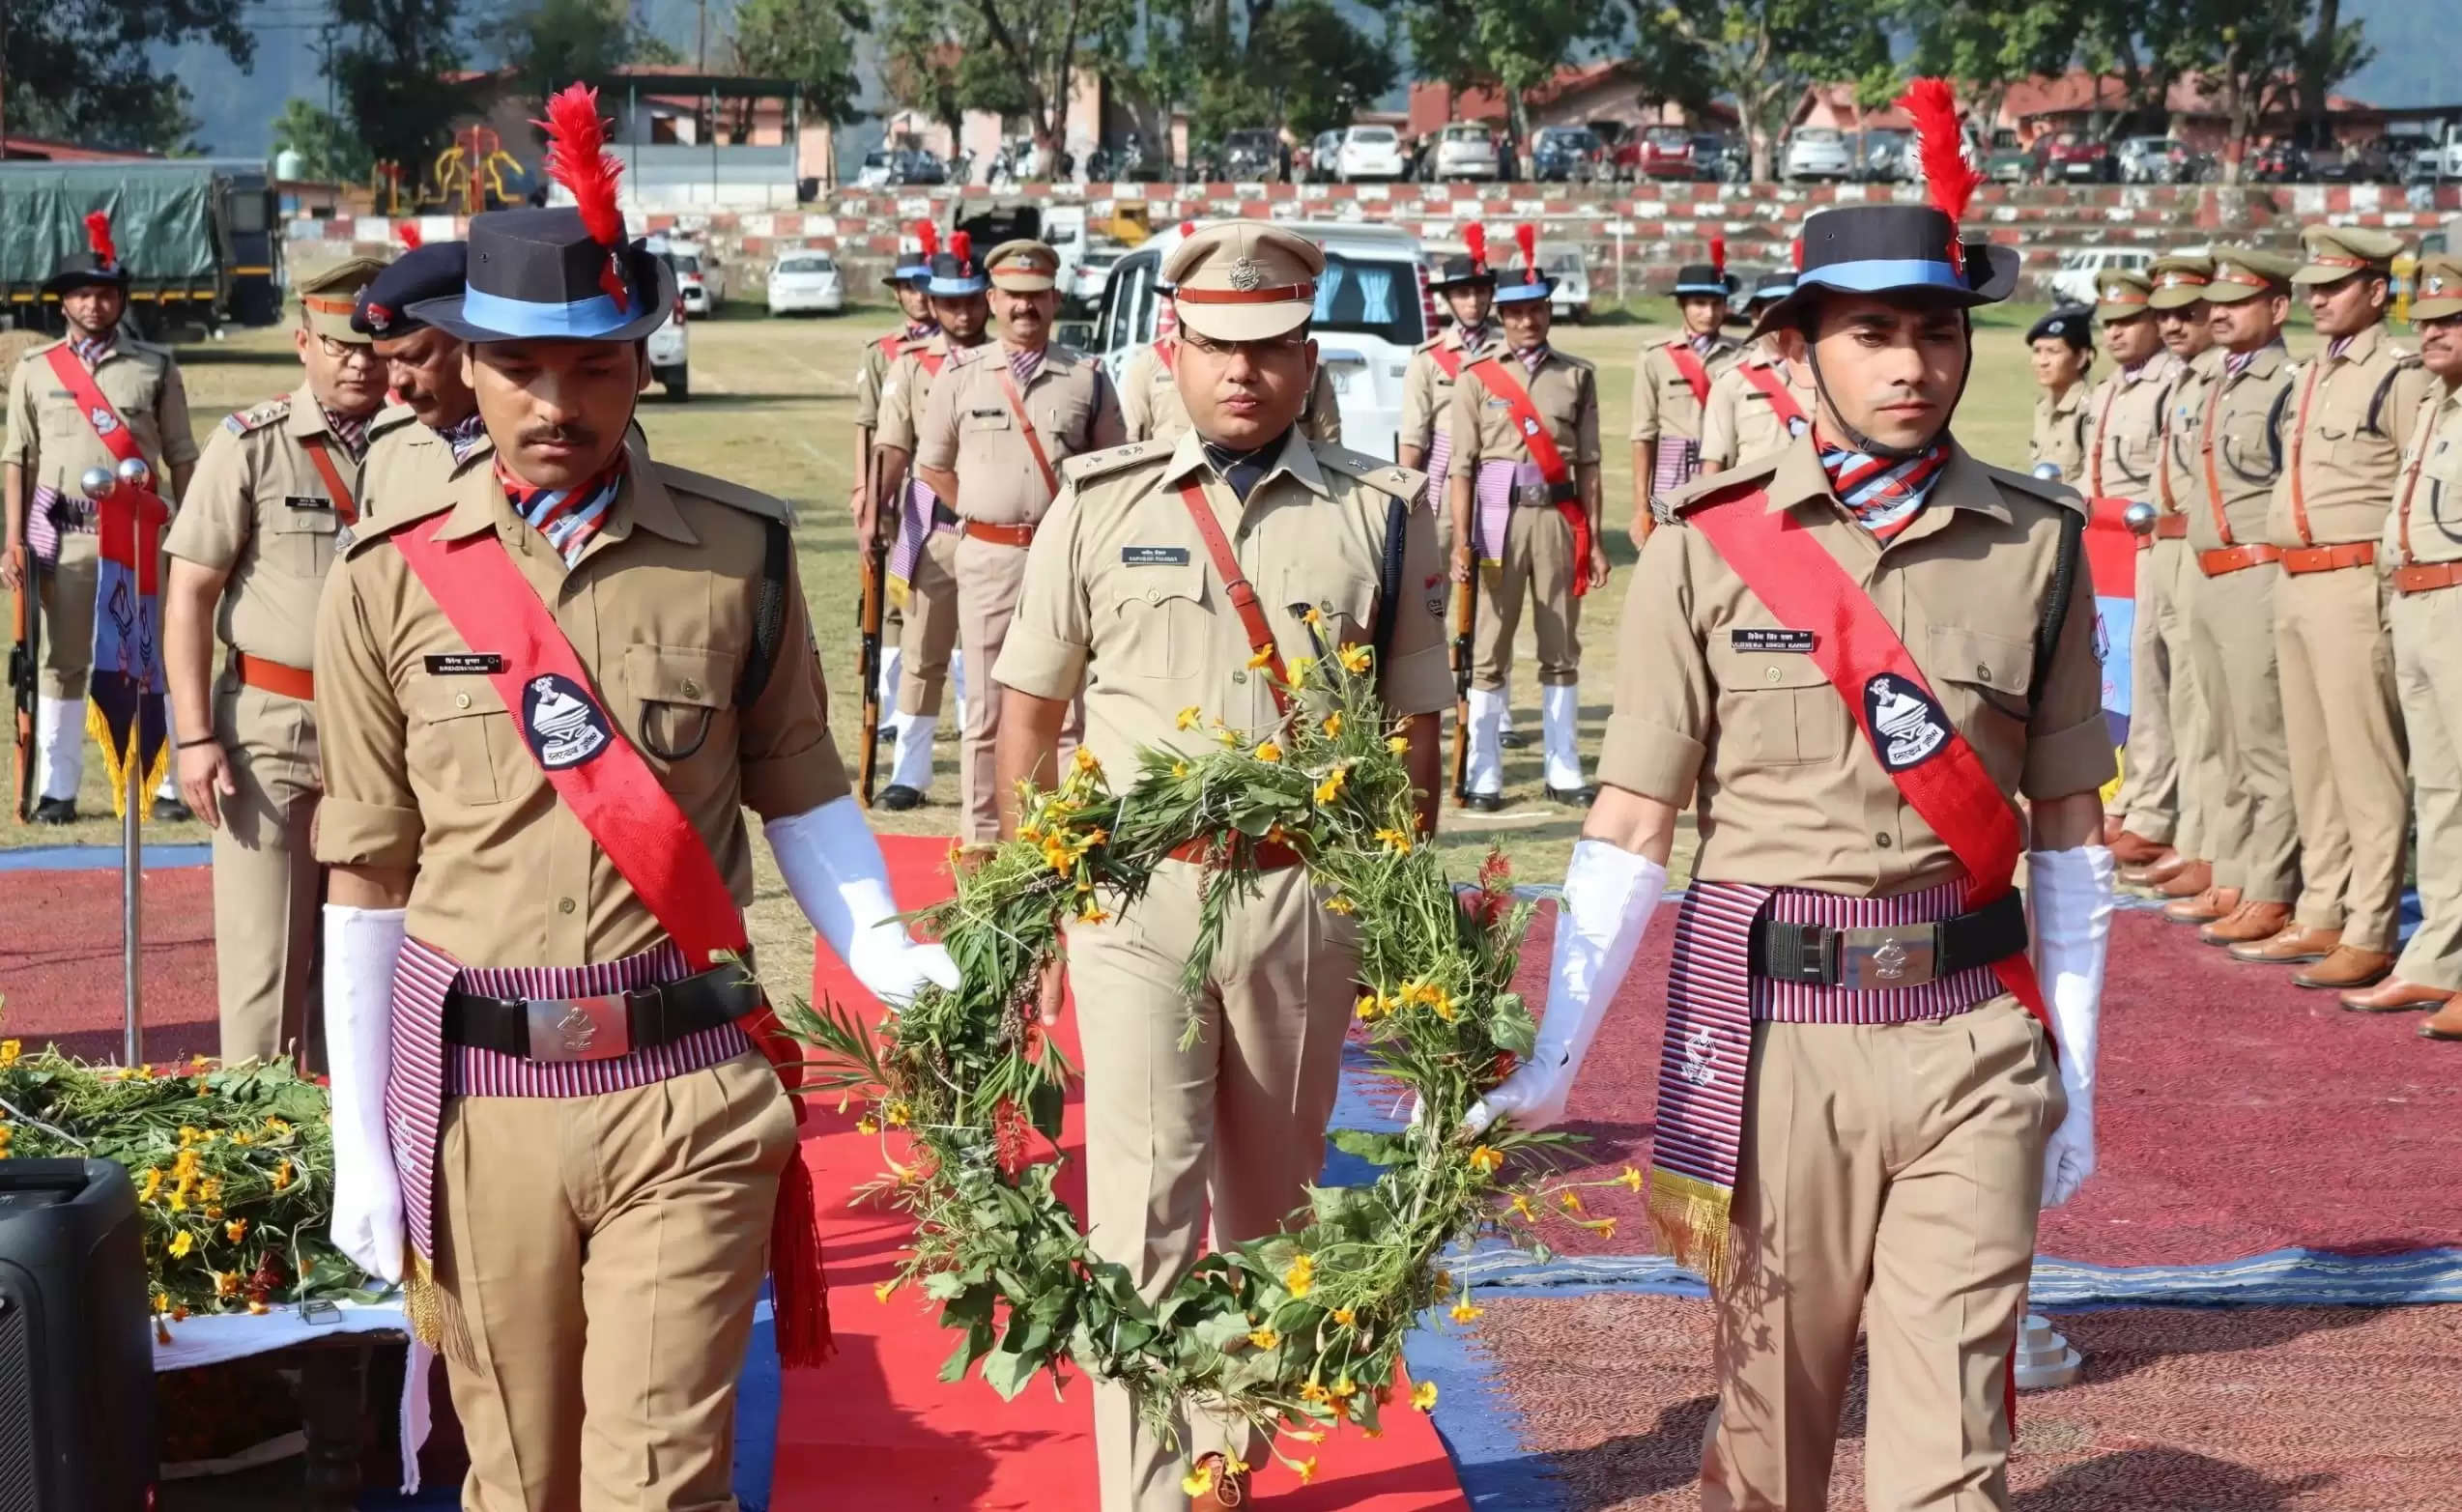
(735, 496)
(1431, 343)
(1378, 473)
(1717, 488)
(34, 351)
(259, 417)
(369, 531)
(959, 357)
(392, 417)
(2051, 490)
(1086, 465)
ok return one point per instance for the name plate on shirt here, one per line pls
(465, 664)
(1799, 642)
(307, 501)
(1154, 555)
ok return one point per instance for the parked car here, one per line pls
(1889, 156)
(2370, 160)
(1094, 271)
(1567, 155)
(1252, 154)
(914, 166)
(670, 346)
(1818, 152)
(1370, 151)
(1660, 153)
(2279, 162)
(1325, 155)
(876, 172)
(1572, 297)
(1463, 150)
(2075, 158)
(2006, 160)
(1720, 160)
(699, 278)
(2079, 271)
(2154, 159)
(806, 284)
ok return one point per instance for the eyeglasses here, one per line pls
(1288, 341)
(347, 351)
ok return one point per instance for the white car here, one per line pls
(2081, 270)
(1572, 297)
(877, 173)
(806, 284)
(1323, 153)
(1094, 271)
(700, 278)
(1370, 151)
(670, 345)
(1464, 150)
(1819, 152)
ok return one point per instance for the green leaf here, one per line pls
(1511, 1025)
(1377, 1149)
(1010, 1373)
(973, 1347)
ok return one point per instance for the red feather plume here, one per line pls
(1526, 236)
(961, 246)
(1718, 255)
(97, 237)
(1949, 179)
(927, 236)
(410, 234)
(578, 158)
(1474, 237)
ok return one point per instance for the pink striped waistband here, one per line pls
(1811, 1003)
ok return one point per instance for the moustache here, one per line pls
(578, 436)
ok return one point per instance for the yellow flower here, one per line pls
(9, 1050)
(1314, 616)
(1423, 1396)
(1605, 1227)
(1090, 914)
(1572, 1202)
(1269, 752)
(1373, 1005)
(179, 1312)
(275, 1126)
(1188, 717)
(1306, 1434)
(1227, 736)
(1522, 1207)
(1339, 905)
(1465, 1311)
(1486, 1159)
(1301, 666)
(867, 1124)
(1344, 1316)
(884, 1290)
(162, 1301)
(215, 1211)
(211, 1188)
(7, 1134)
(1333, 724)
(1395, 840)
(238, 1136)
(1344, 1390)
(1180, 770)
(1399, 745)
(181, 1243)
(1331, 787)
(1265, 1338)
(1302, 1276)
(1310, 1391)
(282, 1176)
(257, 1309)
(1371, 1433)
(896, 1112)
(1355, 658)
(1031, 835)
(236, 1230)
(227, 1283)
(1259, 660)
(1305, 1468)
(1197, 1482)
(1631, 1180)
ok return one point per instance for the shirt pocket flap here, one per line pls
(1352, 597)
(986, 417)
(1158, 584)
(2005, 667)
(680, 675)
(434, 699)
(297, 520)
(1742, 672)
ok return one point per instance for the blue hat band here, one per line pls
(579, 320)
(955, 288)
(1880, 275)
(1507, 294)
(1717, 289)
(907, 271)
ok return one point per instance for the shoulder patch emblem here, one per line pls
(260, 416)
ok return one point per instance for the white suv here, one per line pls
(1464, 150)
(2082, 270)
(1370, 152)
(1819, 152)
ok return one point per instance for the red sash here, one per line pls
(108, 427)
(1688, 362)
(1801, 582)
(322, 456)
(1167, 353)
(1034, 443)
(1449, 358)
(931, 361)
(1551, 463)
(1774, 389)
(890, 343)
(1237, 587)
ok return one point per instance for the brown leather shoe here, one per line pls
(2156, 872)
(2194, 878)
(2131, 849)
(2348, 966)
(2446, 1023)
(2394, 995)
(2290, 944)
(1223, 1489)
(2246, 923)
(2212, 905)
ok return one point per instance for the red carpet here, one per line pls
(876, 1428)
(60, 962)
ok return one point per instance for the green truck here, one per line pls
(198, 236)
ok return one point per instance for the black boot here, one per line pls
(170, 810)
(56, 810)
(898, 798)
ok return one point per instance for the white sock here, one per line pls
(1487, 751)
(170, 788)
(1560, 711)
(957, 684)
(59, 744)
(890, 661)
(911, 767)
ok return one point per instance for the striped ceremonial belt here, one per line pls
(1675, 463)
(50, 515)
(1439, 463)
(1811, 1003)
(1493, 493)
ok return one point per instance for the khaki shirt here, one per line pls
(1739, 422)
(872, 375)
(2435, 504)
(1790, 791)
(52, 438)
(1122, 600)
(2123, 436)
(1664, 402)
(2182, 489)
(2242, 431)
(968, 428)
(903, 391)
(260, 510)
(2356, 410)
(424, 766)
(1565, 390)
(2060, 434)
(1150, 407)
(1427, 393)
(406, 462)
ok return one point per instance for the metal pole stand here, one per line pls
(2045, 1360)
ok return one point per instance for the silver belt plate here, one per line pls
(579, 1028)
(1903, 955)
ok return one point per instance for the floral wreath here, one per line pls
(1303, 1328)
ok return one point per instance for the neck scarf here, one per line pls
(464, 434)
(1243, 471)
(922, 330)
(1885, 495)
(2335, 349)
(1025, 362)
(1702, 344)
(568, 517)
(351, 430)
(1474, 337)
(1534, 357)
(92, 350)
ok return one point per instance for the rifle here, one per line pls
(867, 611)
(25, 665)
(1466, 618)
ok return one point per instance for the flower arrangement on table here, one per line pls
(234, 1170)
(1305, 1328)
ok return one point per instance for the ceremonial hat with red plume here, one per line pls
(956, 274)
(564, 273)
(914, 264)
(1906, 248)
(1524, 283)
(98, 262)
(1469, 266)
(1710, 279)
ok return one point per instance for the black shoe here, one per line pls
(1578, 797)
(1484, 803)
(1517, 740)
(171, 810)
(898, 798)
(56, 810)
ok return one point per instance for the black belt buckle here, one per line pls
(942, 514)
(1563, 492)
(569, 1029)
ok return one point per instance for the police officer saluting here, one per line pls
(2061, 347)
(547, 689)
(1881, 1115)
(1150, 407)
(1671, 380)
(1468, 287)
(1000, 421)
(93, 399)
(278, 489)
(1523, 493)
(1130, 600)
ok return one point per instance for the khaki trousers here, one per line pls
(990, 579)
(2246, 765)
(2166, 716)
(267, 885)
(930, 626)
(1537, 560)
(2343, 722)
(2427, 668)
(68, 616)
(1237, 1121)
(1890, 1173)
(603, 1254)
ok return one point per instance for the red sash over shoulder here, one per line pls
(109, 428)
(1550, 461)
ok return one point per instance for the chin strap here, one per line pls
(1864, 444)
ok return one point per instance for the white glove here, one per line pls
(1609, 896)
(833, 867)
(361, 945)
(2072, 892)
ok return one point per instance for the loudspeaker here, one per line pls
(76, 1341)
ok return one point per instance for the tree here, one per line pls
(1984, 46)
(2247, 54)
(328, 150)
(810, 43)
(549, 44)
(83, 70)
(1509, 45)
(1319, 70)
(1760, 54)
(1014, 57)
(391, 63)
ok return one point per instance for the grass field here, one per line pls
(772, 407)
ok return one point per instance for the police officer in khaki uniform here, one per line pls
(2351, 414)
(423, 364)
(1468, 287)
(1150, 407)
(1671, 380)
(918, 530)
(2061, 346)
(2235, 443)
(1000, 420)
(908, 282)
(1126, 605)
(2122, 461)
(1763, 401)
(2423, 551)
(1879, 1136)
(551, 675)
(1540, 531)
(54, 440)
(278, 489)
